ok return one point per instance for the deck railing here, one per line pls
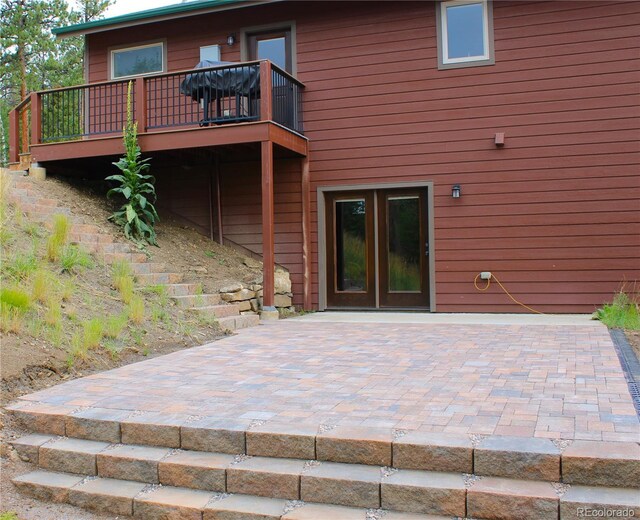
(238, 93)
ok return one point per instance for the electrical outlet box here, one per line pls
(485, 275)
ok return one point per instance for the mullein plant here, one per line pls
(137, 216)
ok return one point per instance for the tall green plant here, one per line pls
(137, 216)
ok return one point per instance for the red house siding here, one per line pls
(554, 213)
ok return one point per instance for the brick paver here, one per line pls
(516, 380)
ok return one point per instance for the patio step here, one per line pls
(128, 498)
(182, 289)
(335, 484)
(231, 323)
(590, 463)
(219, 311)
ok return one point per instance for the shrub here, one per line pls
(136, 310)
(73, 257)
(622, 313)
(58, 237)
(137, 216)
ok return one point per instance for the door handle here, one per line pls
(426, 249)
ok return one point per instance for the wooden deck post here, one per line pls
(36, 119)
(305, 186)
(268, 242)
(141, 104)
(14, 136)
(266, 101)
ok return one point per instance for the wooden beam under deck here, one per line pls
(222, 135)
(268, 227)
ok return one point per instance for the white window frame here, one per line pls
(216, 46)
(113, 52)
(443, 51)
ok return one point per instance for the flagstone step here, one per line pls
(182, 289)
(132, 258)
(197, 300)
(129, 498)
(219, 311)
(148, 268)
(158, 278)
(244, 321)
(588, 463)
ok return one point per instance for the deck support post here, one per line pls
(14, 136)
(305, 186)
(268, 241)
(266, 101)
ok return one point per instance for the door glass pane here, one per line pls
(465, 31)
(274, 50)
(404, 243)
(351, 245)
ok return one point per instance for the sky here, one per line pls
(129, 6)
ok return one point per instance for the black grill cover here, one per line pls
(241, 80)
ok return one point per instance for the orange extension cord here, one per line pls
(494, 277)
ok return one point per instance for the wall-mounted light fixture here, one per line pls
(231, 39)
(456, 191)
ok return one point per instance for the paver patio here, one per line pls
(555, 381)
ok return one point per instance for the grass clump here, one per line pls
(114, 325)
(136, 310)
(41, 286)
(58, 237)
(92, 331)
(15, 298)
(72, 257)
(21, 266)
(622, 313)
(9, 515)
(10, 320)
(53, 314)
(123, 280)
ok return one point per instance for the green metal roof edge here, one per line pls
(141, 15)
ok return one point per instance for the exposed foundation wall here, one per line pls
(554, 213)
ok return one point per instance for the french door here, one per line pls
(377, 249)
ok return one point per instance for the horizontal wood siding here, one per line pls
(554, 213)
(242, 213)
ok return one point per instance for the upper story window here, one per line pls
(137, 61)
(274, 46)
(465, 33)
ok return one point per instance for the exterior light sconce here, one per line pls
(499, 139)
(231, 39)
(456, 191)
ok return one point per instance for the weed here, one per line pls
(92, 333)
(58, 237)
(623, 312)
(34, 327)
(22, 265)
(77, 349)
(10, 320)
(210, 254)
(206, 319)
(113, 348)
(5, 237)
(66, 290)
(55, 336)
(73, 257)
(53, 315)
(137, 335)
(120, 268)
(125, 287)
(41, 286)
(114, 325)
(15, 298)
(185, 328)
(146, 351)
(159, 314)
(136, 310)
(9, 515)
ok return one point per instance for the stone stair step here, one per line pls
(196, 300)
(148, 268)
(113, 247)
(219, 311)
(580, 498)
(232, 323)
(71, 455)
(125, 497)
(588, 463)
(159, 278)
(132, 258)
(182, 289)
